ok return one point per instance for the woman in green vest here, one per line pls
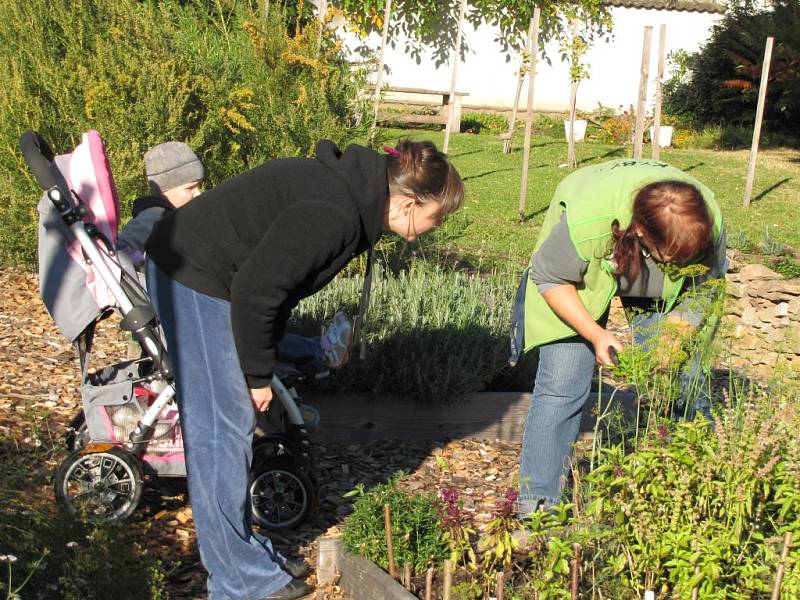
(609, 231)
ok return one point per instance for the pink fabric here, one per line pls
(89, 176)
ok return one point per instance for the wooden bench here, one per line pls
(442, 101)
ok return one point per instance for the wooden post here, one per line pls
(387, 519)
(407, 576)
(322, 6)
(387, 13)
(573, 94)
(762, 96)
(524, 67)
(429, 584)
(696, 589)
(576, 566)
(641, 103)
(656, 141)
(523, 191)
(448, 579)
(501, 584)
(787, 542)
(456, 60)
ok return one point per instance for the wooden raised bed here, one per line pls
(358, 577)
(355, 418)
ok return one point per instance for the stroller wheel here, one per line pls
(78, 433)
(104, 486)
(281, 494)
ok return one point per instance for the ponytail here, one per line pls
(420, 171)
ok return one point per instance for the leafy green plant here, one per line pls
(416, 526)
(788, 267)
(701, 507)
(433, 334)
(473, 122)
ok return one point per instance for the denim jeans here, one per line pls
(562, 386)
(218, 420)
(295, 347)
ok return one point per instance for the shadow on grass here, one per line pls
(771, 188)
(528, 216)
(466, 153)
(613, 153)
(694, 166)
(480, 175)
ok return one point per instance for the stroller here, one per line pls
(129, 426)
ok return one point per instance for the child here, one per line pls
(174, 174)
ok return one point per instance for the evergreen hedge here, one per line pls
(225, 77)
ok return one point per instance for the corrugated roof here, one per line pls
(707, 6)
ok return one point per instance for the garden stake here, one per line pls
(576, 550)
(448, 578)
(644, 75)
(762, 95)
(787, 541)
(526, 154)
(387, 517)
(407, 576)
(501, 580)
(429, 584)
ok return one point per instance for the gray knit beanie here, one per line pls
(171, 164)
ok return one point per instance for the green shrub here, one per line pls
(788, 267)
(432, 334)
(472, 122)
(231, 83)
(416, 529)
(719, 85)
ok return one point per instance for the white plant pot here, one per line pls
(664, 135)
(580, 129)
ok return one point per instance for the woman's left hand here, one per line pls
(261, 397)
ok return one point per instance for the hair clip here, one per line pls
(391, 151)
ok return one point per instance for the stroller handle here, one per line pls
(39, 156)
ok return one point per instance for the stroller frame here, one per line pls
(104, 478)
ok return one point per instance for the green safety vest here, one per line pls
(591, 198)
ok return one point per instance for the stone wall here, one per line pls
(762, 324)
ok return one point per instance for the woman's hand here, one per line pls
(261, 398)
(603, 341)
(566, 303)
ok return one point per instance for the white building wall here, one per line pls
(613, 73)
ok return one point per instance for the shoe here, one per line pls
(293, 590)
(296, 568)
(337, 341)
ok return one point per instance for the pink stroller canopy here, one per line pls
(71, 288)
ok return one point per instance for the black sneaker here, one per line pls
(293, 590)
(297, 568)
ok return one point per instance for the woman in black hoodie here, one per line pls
(225, 272)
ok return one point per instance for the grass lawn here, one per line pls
(488, 226)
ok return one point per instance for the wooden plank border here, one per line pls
(358, 577)
(356, 418)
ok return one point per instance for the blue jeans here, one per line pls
(218, 420)
(562, 386)
(294, 346)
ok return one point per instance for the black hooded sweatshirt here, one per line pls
(272, 236)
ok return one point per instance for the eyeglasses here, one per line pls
(647, 253)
